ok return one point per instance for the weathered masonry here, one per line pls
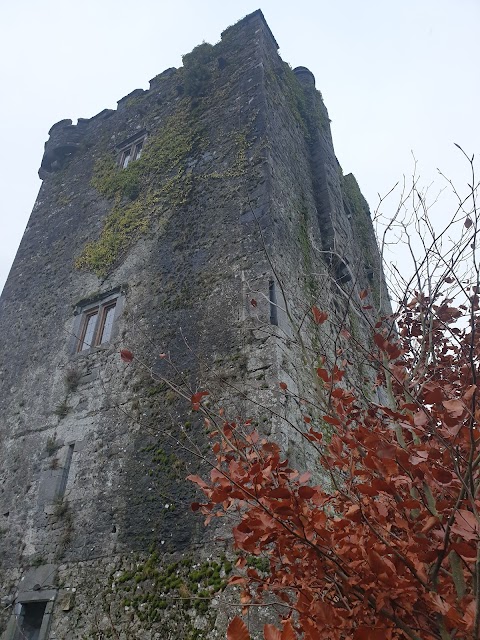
(156, 225)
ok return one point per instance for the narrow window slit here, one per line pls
(273, 303)
(66, 470)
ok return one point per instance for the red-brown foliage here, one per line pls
(389, 550)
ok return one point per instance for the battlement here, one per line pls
(65, 137)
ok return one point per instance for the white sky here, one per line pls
(396, 75)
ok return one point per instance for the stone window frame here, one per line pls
(131, 149)
(14, 628)
(97, 308)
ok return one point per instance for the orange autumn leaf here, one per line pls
(288, 632)
(468, 395)
(466, 525)
(369, 633)
(126, 355)
(454, 407)
(237, 630)
(270, 632)
(319, 317)
(323, 374)
(197, 398)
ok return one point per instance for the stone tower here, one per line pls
(155, 227)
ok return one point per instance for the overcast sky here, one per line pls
(396, 75)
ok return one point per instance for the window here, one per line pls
(131, 150)
(66, 470)
(272, 295)
(30, 620)
(126, 156)
(95, 326)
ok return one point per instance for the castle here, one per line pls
(198, 219)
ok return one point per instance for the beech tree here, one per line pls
(391, 548)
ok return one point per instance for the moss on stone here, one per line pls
(261, 563)
(149, 187)
(152, 187)
(309, 112)
(354, 195)
(240, 163)
(156, 593)
(197, 72)
(294, 94)
(111, 182)
(362, 224)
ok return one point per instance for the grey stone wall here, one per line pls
(237, 188)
